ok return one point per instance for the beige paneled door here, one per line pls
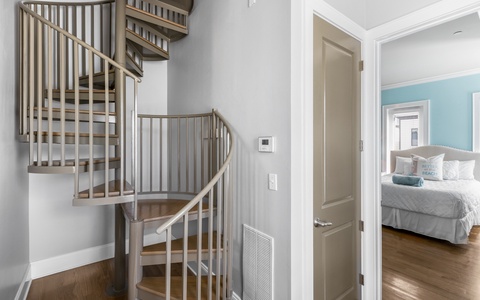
(336, 163)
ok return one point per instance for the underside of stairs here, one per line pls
(80, 68)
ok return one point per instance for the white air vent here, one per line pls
(257, 265)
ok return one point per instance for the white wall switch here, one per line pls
(251, 2)
(272, 182)
(266, 144)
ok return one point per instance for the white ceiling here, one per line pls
(371, 13)
(433, 52)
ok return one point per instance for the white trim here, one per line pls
(476, 122)
(81, 258)
(235, 296)
(24, 287)
(431, 79)
(432, 15)
(423, 108)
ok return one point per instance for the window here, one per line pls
(404, 126)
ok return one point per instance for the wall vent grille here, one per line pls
(257, 265)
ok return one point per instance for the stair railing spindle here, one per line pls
(160, 169)
(107, 126)
(168, 265)
(141, 154)
(178, 155)
(185, 257)
(151, 155)
(77, 123)
(50, 90)
(39, 81)
(135, 150)
(90, 126)
(187, 154)
(31, 94)
(199, 249)
(210, 243)
(62, 75)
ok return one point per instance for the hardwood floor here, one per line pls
(418, 267)
(86, 283)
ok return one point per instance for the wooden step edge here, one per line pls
(82, 162)
(138, 39)
(69, 166)
(148, 214)
(72, 111)
(72, 134)
(157, 286)
(177, 245)
(113, 190)
(135, 12)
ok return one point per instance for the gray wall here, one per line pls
(237, 60)
(13, 176)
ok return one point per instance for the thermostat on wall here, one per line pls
(266, 144)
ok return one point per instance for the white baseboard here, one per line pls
(24, 287)
(81, 258)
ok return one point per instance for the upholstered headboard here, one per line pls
(450, 154)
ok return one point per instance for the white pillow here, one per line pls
(450, 170)
(429, 168)
(465, 169)
(400, 164)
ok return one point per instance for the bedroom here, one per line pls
(419, 83)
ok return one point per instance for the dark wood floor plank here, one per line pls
(421, 268)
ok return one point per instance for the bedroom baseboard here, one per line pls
(80, 258)
(24, 287)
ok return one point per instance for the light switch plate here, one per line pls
(272, 182)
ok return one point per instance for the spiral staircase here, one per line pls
(80, 67)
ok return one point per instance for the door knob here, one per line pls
(320, 223)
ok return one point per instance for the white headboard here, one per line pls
(450, 154)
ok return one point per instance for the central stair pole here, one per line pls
(119, 284)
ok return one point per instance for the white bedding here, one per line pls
(447, 198)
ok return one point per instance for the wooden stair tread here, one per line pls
(113, 190)
(72, 134)
(177, 245)
(156, 286)
(159, 209)
(82, 162)
(133, 11)
(146, 44)
(70, 110)
(83, 95)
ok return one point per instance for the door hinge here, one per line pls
(360, 225)
(361, 145)
(360, 65)
(361, 279)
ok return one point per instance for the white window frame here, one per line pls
(423, 109)
(476, 122)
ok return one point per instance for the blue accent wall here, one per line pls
(450, 107)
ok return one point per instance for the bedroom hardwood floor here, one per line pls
(418, 267)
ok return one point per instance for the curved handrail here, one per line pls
(208, 187)
(79, 41)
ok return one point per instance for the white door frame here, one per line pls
(301, 131)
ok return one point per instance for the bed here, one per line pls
(443, 209)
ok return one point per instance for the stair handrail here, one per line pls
(79, 41)
(208, 187)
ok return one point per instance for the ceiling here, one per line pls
(434, 52)
(372, 13)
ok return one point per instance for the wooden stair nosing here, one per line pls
(83, 95)
(98, 139)
(98, 79)
(113, 190)
(146, 26)
(161, 209)
(69, 167)
(146, 44)
(156, 286)
(137, 13)
(98, 116)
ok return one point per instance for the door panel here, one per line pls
(336, 162)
